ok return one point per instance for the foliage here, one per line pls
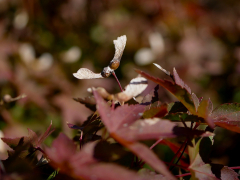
(43, 42)
(116, 132)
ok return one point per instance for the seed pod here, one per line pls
(106, 72)
(114, 64)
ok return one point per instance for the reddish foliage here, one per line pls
(127, 125)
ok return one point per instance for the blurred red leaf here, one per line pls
(62, 150)
(103, 171)
(227, 116)
(70, 109)
(14, 142)
(148, 174)
(26, 86)
(32, 139)
(45, 135)
(149, 157)
(154, 129)
(115, 119)
(82, 164)
(147, 129)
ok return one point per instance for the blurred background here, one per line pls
(43, 42)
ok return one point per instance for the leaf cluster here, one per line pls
(113, 143)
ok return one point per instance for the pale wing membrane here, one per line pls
(120, 44)
(136, 86)
(84, 73)
(133, 89)
(164, 70)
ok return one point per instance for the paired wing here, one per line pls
(84, 73)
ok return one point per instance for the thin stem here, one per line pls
(40, 149)
(113, 105)
(191, 124)
(171, 163)
(196, 125)
(181, 153)
(183, 123)
(81, 139)
(113, 73)
(182, 175)
(182, 167)
(158, 141)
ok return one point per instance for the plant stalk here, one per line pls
(113, 73)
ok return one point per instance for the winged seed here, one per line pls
(119, 43)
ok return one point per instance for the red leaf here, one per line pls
(227, 173)
(154, 129)
(195, 101)
(205, 171)
(150, 158)
(122, 115)
(33, 136)
(181, 93)
(148, 174)
(45, 135)
(62, 149)
(180, 82)
(201, 170)
(227, 116)
(210, 106)
(115, 119)
(148, 129)
(104, 171)
(82, 165)
(14, 142)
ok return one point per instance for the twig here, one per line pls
(181, 154)
(113, 73)
(182, 175)
(171, 163)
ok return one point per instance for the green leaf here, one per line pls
(53, 175)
